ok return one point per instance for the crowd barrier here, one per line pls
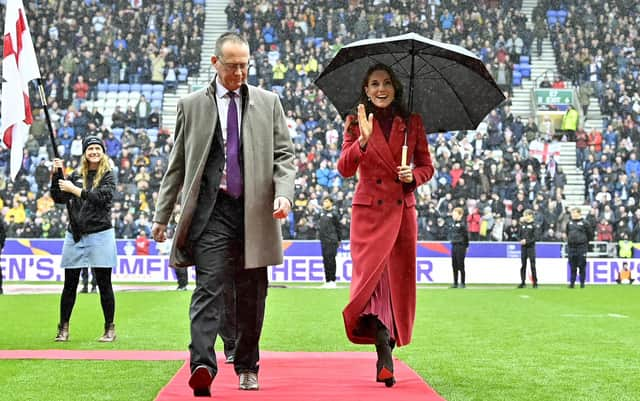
(487, 262)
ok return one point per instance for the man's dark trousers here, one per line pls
(578, 261)
(528, 252)
(228, 329)
(218, 254)
(458, 252)
(329, 252)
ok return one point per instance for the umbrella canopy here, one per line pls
(447, 84)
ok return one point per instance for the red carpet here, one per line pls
(309, 376)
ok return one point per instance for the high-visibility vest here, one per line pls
(625, 248)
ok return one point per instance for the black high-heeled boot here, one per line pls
(384, 364)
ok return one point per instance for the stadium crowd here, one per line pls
(489, 172)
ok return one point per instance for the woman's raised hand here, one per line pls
(366, 125)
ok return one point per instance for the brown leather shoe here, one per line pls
(63, 332)
(249, 381)
(109, 335)
(200, 381)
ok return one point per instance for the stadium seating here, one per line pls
(517, 78)
(562, 16)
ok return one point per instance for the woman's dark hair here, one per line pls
(396, 105)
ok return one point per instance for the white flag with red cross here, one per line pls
(19, 67)
(543, 151)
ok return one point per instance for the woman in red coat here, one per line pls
(384, 231)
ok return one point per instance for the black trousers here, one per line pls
(329, 252)
(228, 331)
(458, 252)
(219, 257)
(182, 275)
(528, 252)
(578, 261)
(68, 298)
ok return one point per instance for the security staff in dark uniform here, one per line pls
(3, 236)
(329, 235)
(579, 233)
(527, 236)
(459, 237)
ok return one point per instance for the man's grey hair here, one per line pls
(228, 37)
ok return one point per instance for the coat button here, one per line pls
(399, 202)
(378, 181)
(357, 159)
(379, 201)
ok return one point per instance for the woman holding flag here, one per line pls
(90, 239)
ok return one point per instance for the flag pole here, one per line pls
(43, 100)
(52, 137)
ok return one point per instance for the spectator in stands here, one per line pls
(473, 223)
(582, 147)
(558, 83)
(541, 32)
(262, 191)
(604, 231)
(171, 77)
(118, 118)
(143, 110)
(153, 121)
(142, 243)
(545, 83)
(90, 238)
(584, 97)
(368, 316)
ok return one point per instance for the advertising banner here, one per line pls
(486, 262)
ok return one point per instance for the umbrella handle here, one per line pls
(404, 155)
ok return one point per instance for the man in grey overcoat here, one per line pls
(232, 164)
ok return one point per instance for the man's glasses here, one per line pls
(234, 66)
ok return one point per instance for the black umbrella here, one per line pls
(447, 84)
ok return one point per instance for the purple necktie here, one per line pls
(234, 175)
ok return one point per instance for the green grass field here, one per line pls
(482, 343)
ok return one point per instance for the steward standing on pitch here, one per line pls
(329, 235)
(579, 233)
(527, 235)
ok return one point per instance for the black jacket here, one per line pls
(579, 233)
(91, 213)
(329, 226)
(3, 234)
(458, 234)
(528, 232)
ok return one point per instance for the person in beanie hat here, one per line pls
(92, 140)
(90, 240)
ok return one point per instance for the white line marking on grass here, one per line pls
(524, 296)
(595, 315)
